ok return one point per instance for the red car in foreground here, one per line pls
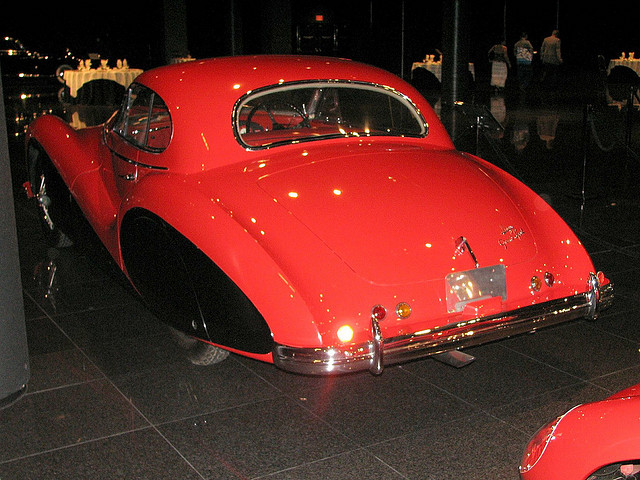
(595, 441)
(311, 212)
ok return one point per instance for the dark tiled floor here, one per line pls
(111, 396)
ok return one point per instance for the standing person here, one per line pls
(551, 58)
(500, 65)
(523, 51)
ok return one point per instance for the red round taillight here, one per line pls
(379, 312)
(549, 279)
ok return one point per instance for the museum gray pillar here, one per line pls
(455, 62)
(176, 44)
(455, 52)
(14, 355)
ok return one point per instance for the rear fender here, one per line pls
(71, 151)
(76, 156)
(232, 249)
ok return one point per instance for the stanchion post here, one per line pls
(586, 141)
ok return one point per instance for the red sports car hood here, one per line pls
(396, 215)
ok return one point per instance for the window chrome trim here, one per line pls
(124, 110)
(327, 83)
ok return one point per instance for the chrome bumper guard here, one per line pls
(378, 352)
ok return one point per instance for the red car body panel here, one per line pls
(315, 234)
(592, 436)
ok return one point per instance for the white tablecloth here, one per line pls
(633, 64)
(436, 68)
(75, 79)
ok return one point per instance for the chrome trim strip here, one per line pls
(136, 163)
(377, 362)
(377, 353)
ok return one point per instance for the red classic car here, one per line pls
(311, 212)
(594, 441)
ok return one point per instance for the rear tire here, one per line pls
(199, 352)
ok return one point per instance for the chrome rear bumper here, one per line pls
(378, 352)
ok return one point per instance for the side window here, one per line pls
(159, 128)
(144, 120)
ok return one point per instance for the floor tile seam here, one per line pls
(516, 428)
(158, 426)
(294, 398)
(480, 409)
(289, 395)
(625, 311)
(257, 375)
(215, 411)
(79, 311)
(492, 411)
(65, 386)
(178, 452)
(621, 250)
(329, 457)
(113, 306)
(87, 263)
(606, 246)
(98, 369)
(580, 379)
(614, 333)
(151, 425)
(75, 445)
(543, 363)
(438, 387)
(297, 400)
(26, 293)
(76, 346)
(478, 413)
(61, 316)
(610, 374)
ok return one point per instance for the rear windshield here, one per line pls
(316, 110)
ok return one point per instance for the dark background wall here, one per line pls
(390, 34)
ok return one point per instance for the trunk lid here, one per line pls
(397, 215)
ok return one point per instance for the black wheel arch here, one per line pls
(185, 288)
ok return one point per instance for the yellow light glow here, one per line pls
(345, 333)
(403, 310)
(236, 86)
(293, 194)
(337, 191)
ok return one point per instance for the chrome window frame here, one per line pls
(301, 84)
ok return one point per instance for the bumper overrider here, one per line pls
(378, 352)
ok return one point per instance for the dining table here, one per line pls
(632, 63)
(76, 79)
(435, 67)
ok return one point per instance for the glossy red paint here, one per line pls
(317, 233)
(589, 438)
